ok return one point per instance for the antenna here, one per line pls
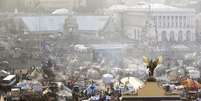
(150, 28)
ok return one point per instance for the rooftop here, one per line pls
(44, 23)
(55, 23)
(92, 23)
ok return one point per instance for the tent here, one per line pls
(135, 82)
(107, 78)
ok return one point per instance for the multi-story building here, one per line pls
(167, 23)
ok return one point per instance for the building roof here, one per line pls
(44, 23)
(92, 23)
(56, 23)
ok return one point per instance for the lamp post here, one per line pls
(71, 28)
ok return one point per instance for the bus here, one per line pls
(8, 81)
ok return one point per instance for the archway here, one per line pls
(180, 36)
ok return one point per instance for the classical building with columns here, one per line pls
(165, 23)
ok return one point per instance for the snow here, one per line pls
(118, 8)
(143, 6)
(61, 11)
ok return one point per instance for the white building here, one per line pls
(168, 23)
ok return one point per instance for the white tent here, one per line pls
(135, 82)
(180, 47)
(107, 78)
(194, 74)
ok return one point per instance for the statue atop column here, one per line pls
(151, 65)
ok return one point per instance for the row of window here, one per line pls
(181, 36)
(173, 21)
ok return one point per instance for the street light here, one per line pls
(72, 27)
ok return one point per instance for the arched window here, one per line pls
(180, 36)
(176, 21)
(135, 35)
(188, 35)
(172, 36)
(164, 36)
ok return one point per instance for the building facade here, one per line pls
(164, 23)
(198, 26)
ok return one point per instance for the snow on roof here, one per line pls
(61, 11)
(118, 8)
(159, 7)
(91, 23)
(44, 23)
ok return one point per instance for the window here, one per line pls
(172, 21)
(176, 21)
(168, 21)
(180, 36)
(159, 21)
(188, 22)
(184, 20)
(180, 21)
(164, 22)
(172, 36)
